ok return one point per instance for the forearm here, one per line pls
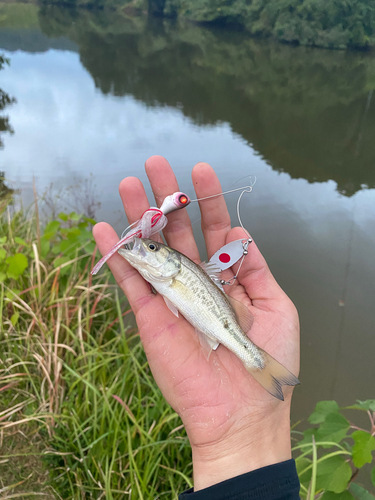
(254, 446)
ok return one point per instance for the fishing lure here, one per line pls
(154, 220)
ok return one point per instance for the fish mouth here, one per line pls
(134, 251)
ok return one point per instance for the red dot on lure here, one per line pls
(224, 257)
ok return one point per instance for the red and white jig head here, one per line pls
(174, 202)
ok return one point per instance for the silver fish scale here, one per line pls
(206, 307)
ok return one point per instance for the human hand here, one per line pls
(233, 424)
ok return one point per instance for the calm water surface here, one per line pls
(97, 95)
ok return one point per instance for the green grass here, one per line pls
(73, 370)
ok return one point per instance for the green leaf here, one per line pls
(90, 247)
(2, 277)
(3, 240)
(75, 216)
(345, 495)
(307, 436)
(51, 229)
(369, 404)
(3, 254)
(56, 249)
(14, 318)
(360, 493)
(86, 235)
(73, 233)
(63, 216)
(373, 476)
(334, 428)
(302, 464)
(333, 474)
(91, 221)
(60, 260)
(17, 265)
(364, 444)
(69, 246)
(30, 409)
(11, 293)
(322, 409)
(44, 246)
(20, 241)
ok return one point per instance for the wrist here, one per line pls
(243, 450)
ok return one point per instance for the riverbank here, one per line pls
(332, 25)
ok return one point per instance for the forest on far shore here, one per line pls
(335, 24)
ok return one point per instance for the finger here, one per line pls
(134, 199)
(134, 286)
(255, 274)
(215, 217)
(178, 232)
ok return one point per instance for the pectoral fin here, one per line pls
(207, 343)
(244, 316)
(171, 306)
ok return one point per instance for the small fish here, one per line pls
(218, 319)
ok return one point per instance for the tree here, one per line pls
(5, 100)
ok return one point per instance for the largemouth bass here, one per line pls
(217, 318)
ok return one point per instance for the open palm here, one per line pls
(233, 424)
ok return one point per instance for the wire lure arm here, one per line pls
(245, 246)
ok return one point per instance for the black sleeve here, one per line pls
(274, 482)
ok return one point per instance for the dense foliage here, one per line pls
(323, 23)
(333, 451)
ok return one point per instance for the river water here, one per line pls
(97, 94)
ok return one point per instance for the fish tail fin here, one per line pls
(273, 376)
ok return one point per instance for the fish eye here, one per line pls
(152, 247)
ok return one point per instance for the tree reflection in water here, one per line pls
(308, 112)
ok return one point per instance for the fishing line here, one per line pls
(244, 189)
(246, 243)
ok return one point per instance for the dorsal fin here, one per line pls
(244, 316)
